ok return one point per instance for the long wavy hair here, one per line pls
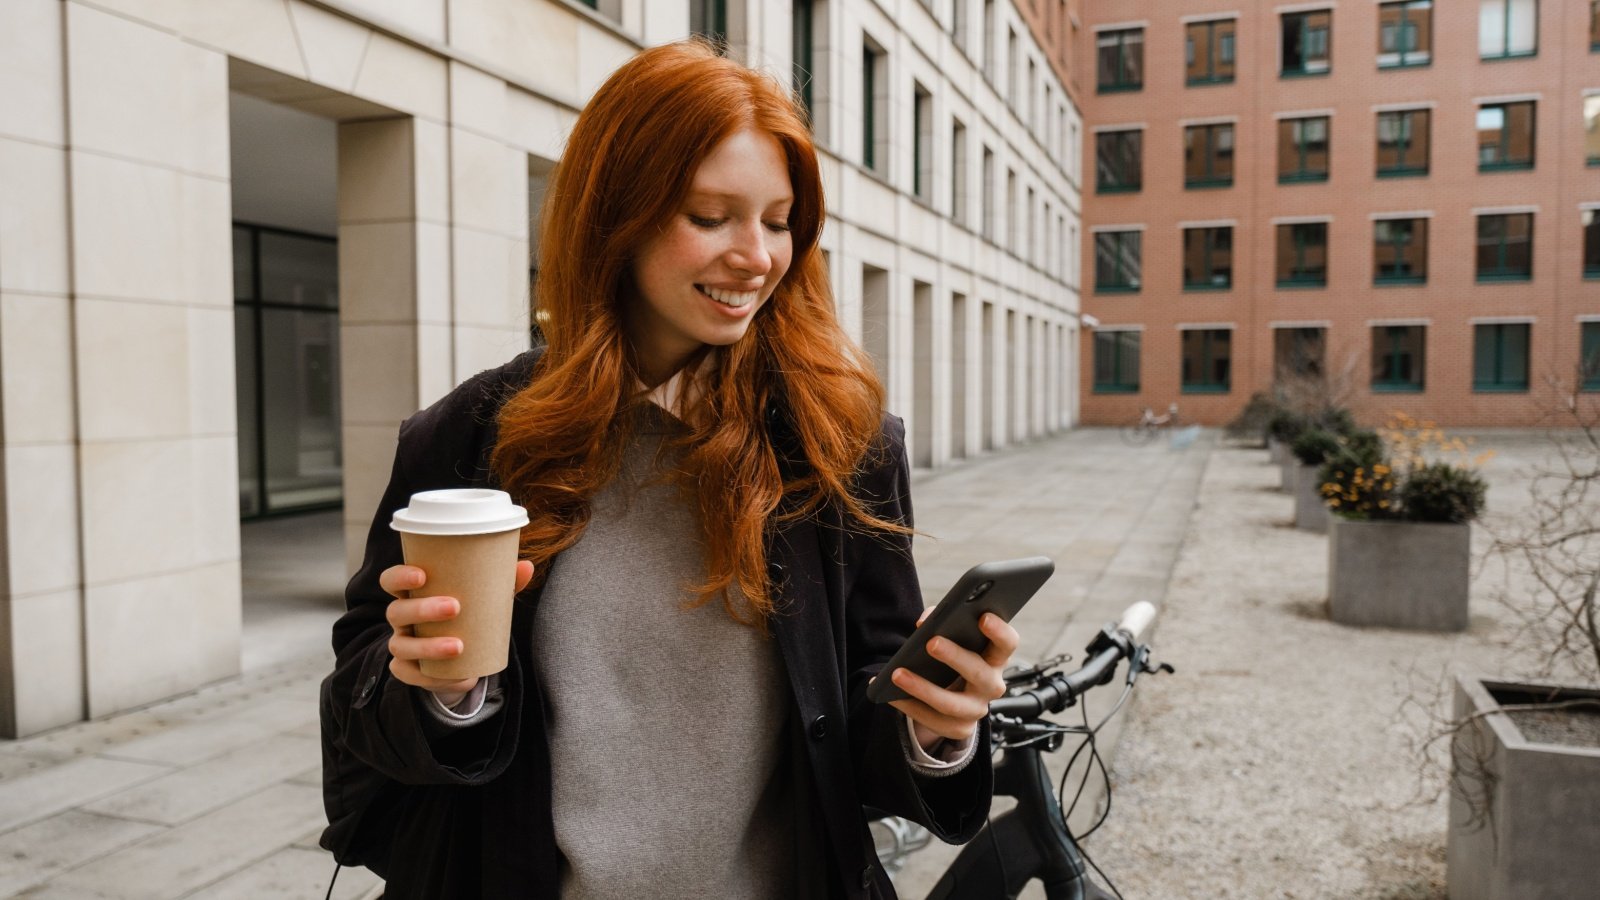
(626, 172)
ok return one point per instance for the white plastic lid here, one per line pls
(459, 511)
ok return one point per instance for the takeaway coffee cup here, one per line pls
(466, 541)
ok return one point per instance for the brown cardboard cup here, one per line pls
(466, 541)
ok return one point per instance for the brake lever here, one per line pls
(1141, 663)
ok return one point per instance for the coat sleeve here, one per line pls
(881, 607)
(371, 720)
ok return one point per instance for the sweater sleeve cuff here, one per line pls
(464, 710)
(945, 757)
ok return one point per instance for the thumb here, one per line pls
(524, 574)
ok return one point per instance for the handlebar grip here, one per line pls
(1137, 618)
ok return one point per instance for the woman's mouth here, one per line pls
(734, 299)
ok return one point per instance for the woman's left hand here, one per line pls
(954, 712)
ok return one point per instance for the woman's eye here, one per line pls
(705, 221)
(778, 227)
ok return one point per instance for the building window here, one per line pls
(1508, 28)
(1117, 161)
(1298, 352)
(1594, 25)
(1303, 149)
(987, 195)
(921, 143)
(1405, 34)
(1307, 43)
(1500, 357)
(1591, 243)
(1120, 63)
(988, 41)
(1208, 51)
(1505, 136)
(1013, 222)
(1400, 251)
(1116, 261)
(802, 51)
(1505, 247)
(709, 19)
(1591, 129)
(1116, 362)
(1207, 259)
(1403, 143)
(1397, 358)
(871, 60)
(1303, 254)
(1208, 156)
(958, 171)
(1589, 361)
(1206, 360)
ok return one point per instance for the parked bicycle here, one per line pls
(1144, 429)
(1032, 840)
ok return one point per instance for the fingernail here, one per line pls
(458, 647)
(936, 645)
(897, 676)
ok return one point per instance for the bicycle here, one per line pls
(1144, 429)
(1032, 840)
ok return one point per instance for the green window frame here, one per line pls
(1500, 357)
(1303, 149)
(1116, 362)
(1119, 61)
(1591, 129)
(1591, 243)
(709, 18)
(1208, 156)
(1505, 247)
(869, 103)
(1116, 261)
(1399, 359)
(1594, 26)
(1306, 44)
(1118, 161)
(1207, 360)
(1208, 258)
(1506, 134)
(1589, 356)
(1403, 136)
(803, 50)
(1405, 34)
(1209, 51)
(1302, 255)
(1508, 29)
(1400, 251)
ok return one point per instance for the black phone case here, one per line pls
(1001, 587)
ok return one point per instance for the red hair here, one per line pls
(626, 171)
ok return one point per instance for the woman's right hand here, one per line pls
(406, 649)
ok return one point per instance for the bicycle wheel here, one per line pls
(1139, 433)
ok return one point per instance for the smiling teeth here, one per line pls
(730, 298)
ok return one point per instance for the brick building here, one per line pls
(1399, 196)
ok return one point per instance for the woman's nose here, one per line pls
(749, 252)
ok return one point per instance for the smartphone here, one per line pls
(1000, 587)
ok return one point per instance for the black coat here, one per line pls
(467, 813)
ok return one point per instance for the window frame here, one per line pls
(1590, 219)
(1501, 383)
(1213, 48)
(1301, 281)
(1302, 175)
(1122, 61)
(1406, 7)
(1304, 17)
(869, 102)
(1134, 281)
(1591, 123)
(1505, 165)
(1120, 348)
(1589, 356)
(1210, 180)
(1137, 184)
(1502, 273)
(1392, 336)
(1505, 42)
(1378, 246)
(1403, 170)
(1204, 385)
(1594, 26)
(1209, 249)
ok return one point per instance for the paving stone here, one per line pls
(86, 738)
(35, 853)
(186, 793)
(39, 795)
(291, 874)
(204, 850)
(197, 739)
(15, 764)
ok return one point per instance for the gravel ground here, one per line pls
(1280, 760)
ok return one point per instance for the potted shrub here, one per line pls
(1282, 428)
(1311, 449)
(1525, 753)
(1400, 540)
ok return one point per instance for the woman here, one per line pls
(716, 564)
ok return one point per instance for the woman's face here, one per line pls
(717, 260)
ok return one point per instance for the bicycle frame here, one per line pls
(1031, 841)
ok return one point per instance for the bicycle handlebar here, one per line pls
(1057, 691)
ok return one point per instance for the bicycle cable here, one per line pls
(1094, 759)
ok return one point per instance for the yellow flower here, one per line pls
(1383, 504)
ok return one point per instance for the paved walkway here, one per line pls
(216, 794)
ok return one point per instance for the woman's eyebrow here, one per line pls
(702, 194)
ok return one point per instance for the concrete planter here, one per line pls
(1399, 574)
(1523, 814)
(1310, 512)
(1276, 450)
(1287, 473)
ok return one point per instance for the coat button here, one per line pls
(366, 689)
(819, 727)
(866, 877)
